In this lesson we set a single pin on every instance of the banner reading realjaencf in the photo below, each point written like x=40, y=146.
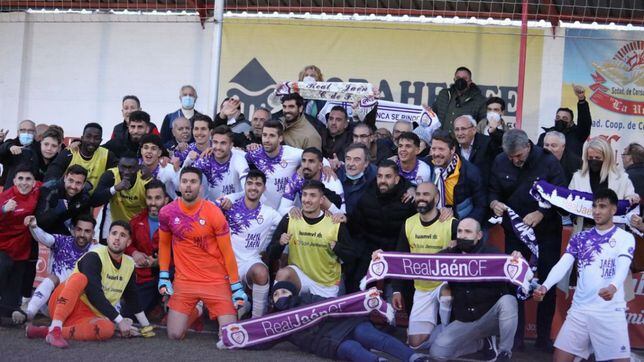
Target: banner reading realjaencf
x=610, y=66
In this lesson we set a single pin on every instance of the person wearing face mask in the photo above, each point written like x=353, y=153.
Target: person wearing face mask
x=462, y=97
x=355, y=175
x=230, y=115
x=16, y=203
x=129, y=104
x=576, y=134
x=493, y=124
x=188, y=98
x=513, y=173
x=423, y=233
x=599, y=171
x=479, y=310
x=14, y=151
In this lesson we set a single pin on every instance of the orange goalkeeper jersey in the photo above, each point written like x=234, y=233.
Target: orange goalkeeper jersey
x=200, y=242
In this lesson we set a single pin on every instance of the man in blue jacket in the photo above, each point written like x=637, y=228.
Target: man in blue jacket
x=513, y=173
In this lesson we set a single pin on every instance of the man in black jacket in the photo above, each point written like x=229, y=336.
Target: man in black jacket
x=555, y=142
x=138, y=126
x=475, y=147
x=462, y=97
x=633, y=160
x=576, y=134
x=62, y=200
x=339, y=133
x=479, y=310
x=9, y=149
x=513, y=174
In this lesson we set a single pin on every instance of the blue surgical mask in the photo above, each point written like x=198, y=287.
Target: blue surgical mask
x=25, y=138
x=353, y=178
x=188, y=102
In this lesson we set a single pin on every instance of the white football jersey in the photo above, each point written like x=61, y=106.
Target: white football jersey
x=278, y=170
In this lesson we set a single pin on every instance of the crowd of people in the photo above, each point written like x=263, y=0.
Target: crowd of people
x=243, y=216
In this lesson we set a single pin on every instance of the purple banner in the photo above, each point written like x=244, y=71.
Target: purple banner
x=278, y=325
x=449, y=268
x=524, y=232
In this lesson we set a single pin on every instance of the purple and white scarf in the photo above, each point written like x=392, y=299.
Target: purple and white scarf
x=578, y=203
x=449, y=267
x=394, y=111
x=279, y=325
x=523, y=232
x=327, y=91
x=442, y=173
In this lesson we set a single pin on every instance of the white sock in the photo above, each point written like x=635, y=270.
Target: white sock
x=260, y=295
x=40, y=297
x=445, y=309
x=56, y=323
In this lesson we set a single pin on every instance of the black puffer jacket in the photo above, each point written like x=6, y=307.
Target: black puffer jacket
x=379, y=217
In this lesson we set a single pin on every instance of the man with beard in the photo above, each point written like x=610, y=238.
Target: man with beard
x=225, y=168
x=145, y=246
x=65, y=251
x=195, y=235
x=252, y=225
x=576, y=134
x=299, y=132
x=379, y=215
x=129, y=104
x=138, y=126
x=124, y=188
x=63, y=200
x=317, y=246
x=84, y=307
x=410, y=167
x=423, y=233
x=462, y=97
x=90, y=155
x=276, y=161
x=254, y=136
x=339, y=133
x=333, y=200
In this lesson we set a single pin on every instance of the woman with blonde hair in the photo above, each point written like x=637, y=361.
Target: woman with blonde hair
x=599, y=170
x=311, y=71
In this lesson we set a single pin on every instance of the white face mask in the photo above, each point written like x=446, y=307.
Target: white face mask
x=308, y=79
x=493, y=117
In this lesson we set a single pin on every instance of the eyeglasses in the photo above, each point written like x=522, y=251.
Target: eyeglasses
x=625, y=154
x=361, y=136
x=463, y=129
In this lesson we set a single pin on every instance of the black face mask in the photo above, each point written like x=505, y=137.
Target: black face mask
x=285, y=303
x=424, y=209
x=465, y=245
x=595, y=165
x=460, y=84
x=560, y=125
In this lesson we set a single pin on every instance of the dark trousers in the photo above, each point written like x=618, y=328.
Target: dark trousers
x=11, y=275
x=30, y=271
x=148, y=297
x=549, y=253
x=366, y=337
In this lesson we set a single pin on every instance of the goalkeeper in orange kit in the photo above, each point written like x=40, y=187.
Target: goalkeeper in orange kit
x=195, y=232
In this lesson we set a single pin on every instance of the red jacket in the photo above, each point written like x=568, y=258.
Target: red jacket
x=15, y=239
x=141, y=242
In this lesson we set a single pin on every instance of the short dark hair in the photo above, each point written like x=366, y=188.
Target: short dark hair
x=314, y=151
x=223, y=130
x=55, y=133
x=76, y=170
x=152, y=138
x=463, y=69
x=132, y=97
x=572, y=114
x=93, y=125
x=273, y=123
x=339, y=109
x=25, y=167
x=255, y=173
x=444, y=136
x=313, y=184
x=358, y=146
x=386, y=163
x=85, y=218
x=203, y=118
x=371, y=128
x=606, y=194
x=155, y=184
x=122, y=223
x=140, y=116
x=636, y=151
x=191, y=169
x=496, y=100
x=295, y=97
x=410, y=136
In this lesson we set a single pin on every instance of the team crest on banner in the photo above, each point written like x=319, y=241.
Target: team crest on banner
x=379, y=268
x=237, y=334
x=512, y=269
x=372, y=300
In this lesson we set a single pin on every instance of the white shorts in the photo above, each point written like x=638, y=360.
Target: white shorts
x=424, y=311
x=244, y=266
x=605, y=333
x=308, y=285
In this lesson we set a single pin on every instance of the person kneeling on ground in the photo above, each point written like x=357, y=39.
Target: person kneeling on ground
x=346, y=339
x=82, y=308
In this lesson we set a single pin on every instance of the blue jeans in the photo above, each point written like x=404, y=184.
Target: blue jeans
x=365, y=337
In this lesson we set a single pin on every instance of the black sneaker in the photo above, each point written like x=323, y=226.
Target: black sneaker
x=487, y=353
x=503, y=356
